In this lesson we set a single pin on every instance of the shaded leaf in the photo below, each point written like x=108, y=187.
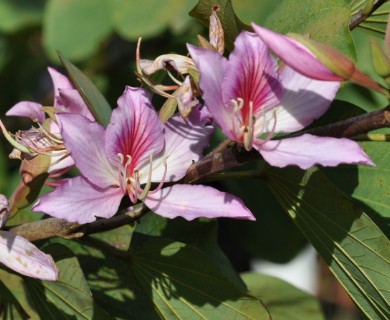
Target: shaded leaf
x=283, y=300
x=353, y=246
x=94, y=99
x=9, y=305
x=184, y=284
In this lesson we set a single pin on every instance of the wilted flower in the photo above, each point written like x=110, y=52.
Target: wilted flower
x=20, y=255
x=252, y=99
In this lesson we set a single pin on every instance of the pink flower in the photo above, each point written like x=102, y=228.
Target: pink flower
x=135, y=152
x=66, y=99
x=22, y=256
x=251, y=99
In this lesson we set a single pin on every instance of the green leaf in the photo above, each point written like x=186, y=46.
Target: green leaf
x=372, y=190
x=138, y=18
x=76, y=28
x=325, y=20
x=95, y=101
x=184, y=284
x=230, y=22
x=9, y=305
x=283, y=300
x=353, y=246
x=16, y=14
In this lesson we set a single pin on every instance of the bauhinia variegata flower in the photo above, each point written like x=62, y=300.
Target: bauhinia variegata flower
x=135, y=156
x=252, y=99
x=20, y=255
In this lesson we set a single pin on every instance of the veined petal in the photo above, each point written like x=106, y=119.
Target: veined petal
x=78, y=200
x=307, y=150
x=251, y=75
x=27, y=109
x=85, y=141
x=184, y=143
x=22, y=256
x=303, y=101
x=196, y=201
x=212, y=67
x=295, y=55
x=134, y=129
x=70, y=100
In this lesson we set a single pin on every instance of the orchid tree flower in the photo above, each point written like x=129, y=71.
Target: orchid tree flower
x=252, y=99
x=46, y=138
x=20, y=255
x=313, y=59
x=135, y=156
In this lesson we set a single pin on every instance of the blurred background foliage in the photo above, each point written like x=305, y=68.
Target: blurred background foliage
x=100, y=37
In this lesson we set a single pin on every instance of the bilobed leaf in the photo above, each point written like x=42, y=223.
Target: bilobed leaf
x=184, y=284
x=230, y=22
x=94, y=99
x=353, y=246
x=324, y=20
x=76, y=28
x=283, y=300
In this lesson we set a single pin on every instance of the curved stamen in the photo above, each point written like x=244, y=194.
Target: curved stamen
x=248, y=130
x=162, y=179
x=272, y=132
x=145, y=191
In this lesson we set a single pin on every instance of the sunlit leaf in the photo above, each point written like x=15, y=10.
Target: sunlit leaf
x=96, y=102
x=283, y=300
x=353, y=246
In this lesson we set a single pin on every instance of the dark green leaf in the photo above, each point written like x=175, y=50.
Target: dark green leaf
x=230, y=22
x=95, y=101
x=283, y=300
x=353, y=246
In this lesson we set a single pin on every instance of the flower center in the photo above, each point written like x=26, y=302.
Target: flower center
x=244, y=117
x=130, y=181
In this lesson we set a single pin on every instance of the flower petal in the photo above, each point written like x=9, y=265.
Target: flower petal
x=212, y=66
x=307, y=150
x=134, y=129
x=251, y=75
x=77, y=200
x=59, y=81
x=27, y=109
x=304, y=100
x=85, y=141
x=184, y=144
x=70, y=100
x=296, y=55
x=23, y=257
x=196, y=201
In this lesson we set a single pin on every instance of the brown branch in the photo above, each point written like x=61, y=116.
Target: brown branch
x=232, y=156
x=361, y=15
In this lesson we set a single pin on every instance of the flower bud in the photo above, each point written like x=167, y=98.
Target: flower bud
x=380, y=60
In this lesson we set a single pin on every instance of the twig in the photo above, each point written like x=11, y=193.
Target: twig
x=361, y=15
x=233, y=156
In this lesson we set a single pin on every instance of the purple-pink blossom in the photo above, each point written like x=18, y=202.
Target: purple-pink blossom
x=135, y=156
x=252, y=99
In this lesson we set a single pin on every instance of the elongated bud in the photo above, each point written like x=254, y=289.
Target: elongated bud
x=380, y=61
x=4, y=210
x=216, y=35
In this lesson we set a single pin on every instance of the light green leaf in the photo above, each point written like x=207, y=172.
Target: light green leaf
x=353, y=246
x=138, y=18
x=283, y=300
x=184, y=284
x=95, y=101
x=76, y=28
x=325, y=20
x=230, y=22
x=16, y=14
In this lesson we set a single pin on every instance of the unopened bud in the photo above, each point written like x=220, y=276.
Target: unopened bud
x=380, y=60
